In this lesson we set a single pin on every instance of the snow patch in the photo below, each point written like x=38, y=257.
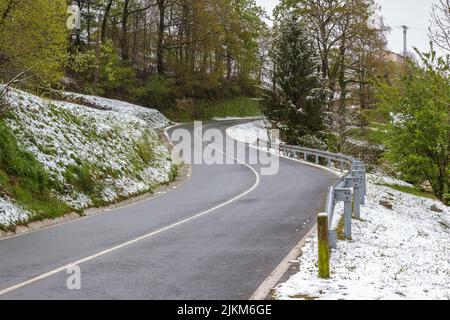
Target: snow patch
x=249, y=132
x=118, y=143
x=402, y=253
x=153, y=117
x=10, y=213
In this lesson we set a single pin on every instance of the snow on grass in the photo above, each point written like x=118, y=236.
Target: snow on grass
x=153, y=117
x=230, y=118
x=10, y=213
x=119, y=148
x=249, y=132
x=402, y=253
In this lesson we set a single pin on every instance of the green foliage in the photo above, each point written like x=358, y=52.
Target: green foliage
x=115, y=75
x=157, y=92
x=410, y=190
x=116, y=78
x=369, y=134
x=209, y=109
x=82, y=178
x=82, y=62
x=145, y=151
x=294, y=104
x=313, y=142
x=217, y=52
x=174, y=172
x=25, y=180
x=33, y=35
x=418, y=137
x=244, y=29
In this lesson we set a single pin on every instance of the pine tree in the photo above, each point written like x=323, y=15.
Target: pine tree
x=297, y=97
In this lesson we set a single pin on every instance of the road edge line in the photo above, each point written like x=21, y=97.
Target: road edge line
x=271, y=281
x=138, y=239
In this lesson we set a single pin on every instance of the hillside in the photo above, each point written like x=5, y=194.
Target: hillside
x=56, y=157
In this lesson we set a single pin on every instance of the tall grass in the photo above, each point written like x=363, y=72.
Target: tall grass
x=25, y=180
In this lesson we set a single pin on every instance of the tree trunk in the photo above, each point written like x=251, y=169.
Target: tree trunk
x=88, y=22
x=229, y=66
x=124, y=38
x=135, y=33
x=160, y=42
x=97, y=56
x=342, y=106
x=105, y=20
x=144, y=58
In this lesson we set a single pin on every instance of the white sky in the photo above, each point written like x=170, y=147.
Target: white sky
x=413, y=13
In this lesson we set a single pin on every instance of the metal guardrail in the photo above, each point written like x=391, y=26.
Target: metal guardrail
x=349, y=189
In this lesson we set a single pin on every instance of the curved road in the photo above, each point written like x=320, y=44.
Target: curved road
x=218, y=236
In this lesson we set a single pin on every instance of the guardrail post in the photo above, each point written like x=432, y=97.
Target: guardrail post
x=332, y=234
x=332, y=239
x=361, y=174
x=305, y=157
x=348, y=220
x=362, y=167
x=355, y=183
x=345, y=195
x=317, y=159
x=357, y=201
x=324, y=249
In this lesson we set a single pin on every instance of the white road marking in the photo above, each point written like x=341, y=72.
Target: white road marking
x=144, y=237
x=271, y=281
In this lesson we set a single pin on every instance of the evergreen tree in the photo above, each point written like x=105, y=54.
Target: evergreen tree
x=296, y=100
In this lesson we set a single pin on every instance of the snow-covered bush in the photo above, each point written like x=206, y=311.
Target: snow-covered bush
x=313, y=142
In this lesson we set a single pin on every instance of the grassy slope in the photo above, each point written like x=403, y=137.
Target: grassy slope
x=410, y=190
x=56, y=158
x=207, y=110
x=25, y=180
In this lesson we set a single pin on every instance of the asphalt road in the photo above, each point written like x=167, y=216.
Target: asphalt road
x=175, y=246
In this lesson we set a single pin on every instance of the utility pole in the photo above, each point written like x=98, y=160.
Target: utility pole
x=405, y=40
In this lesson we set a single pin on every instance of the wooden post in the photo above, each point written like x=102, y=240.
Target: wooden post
x=324, y=248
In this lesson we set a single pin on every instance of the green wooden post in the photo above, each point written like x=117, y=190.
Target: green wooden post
x=324, y=248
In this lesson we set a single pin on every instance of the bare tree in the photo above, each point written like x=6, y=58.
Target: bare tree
x=439, y=31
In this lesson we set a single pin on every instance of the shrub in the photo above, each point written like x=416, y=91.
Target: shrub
x=313, y=142
x=156, y=93
x=82, y=179
x=145, y=151
x=418, y=136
